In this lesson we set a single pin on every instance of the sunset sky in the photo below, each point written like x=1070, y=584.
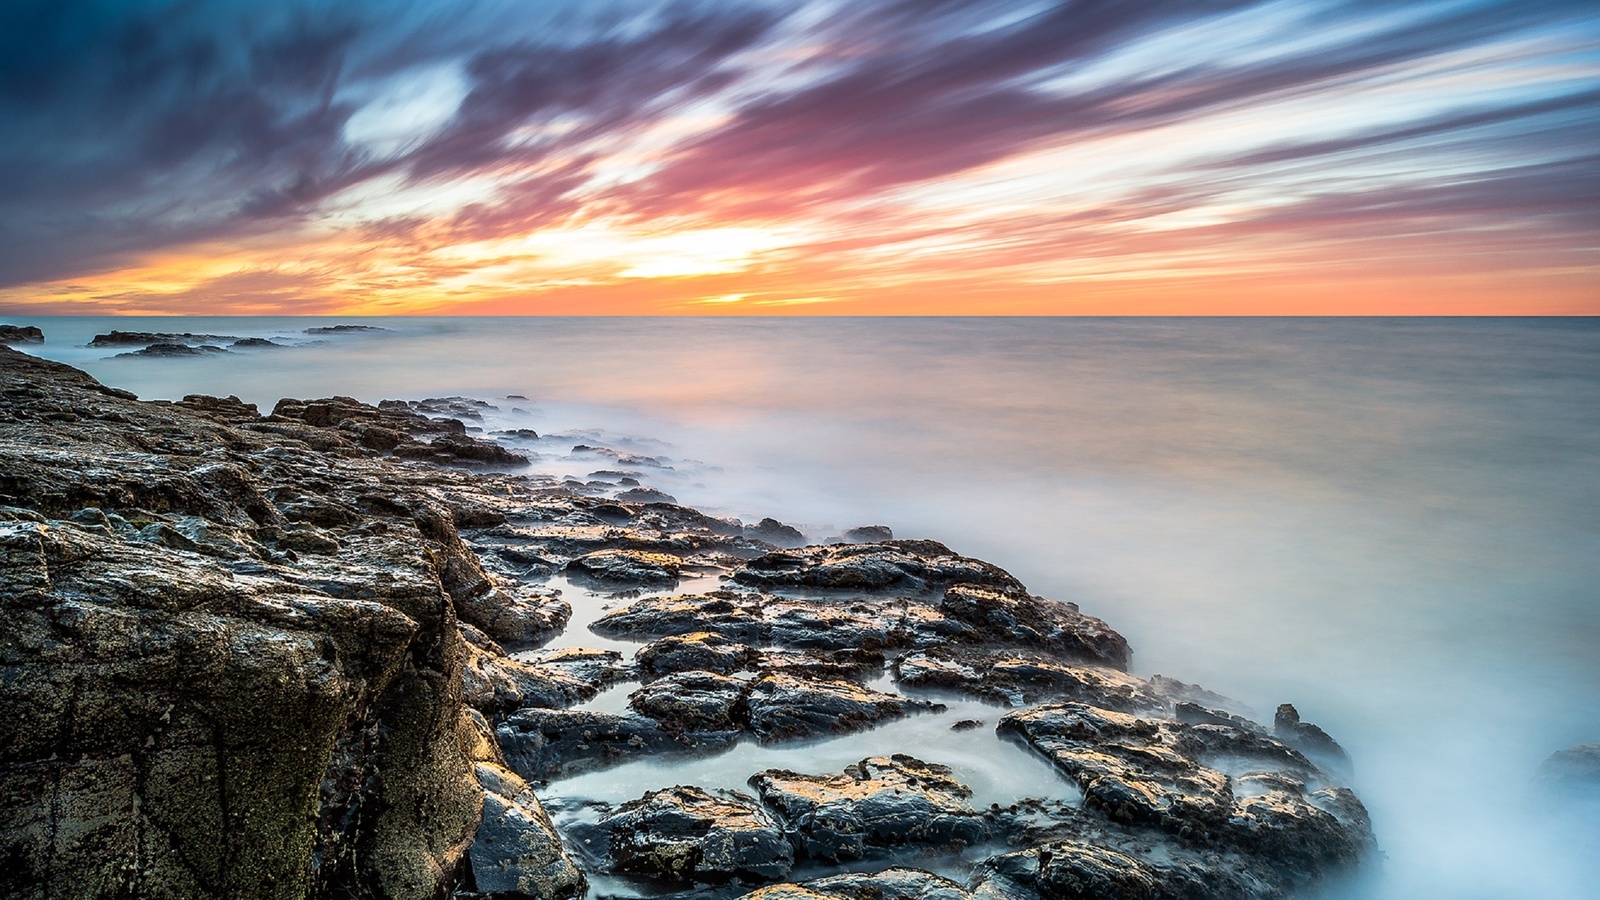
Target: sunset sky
x=856, y=157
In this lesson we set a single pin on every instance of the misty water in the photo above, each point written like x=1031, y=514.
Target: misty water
x=1393, y=524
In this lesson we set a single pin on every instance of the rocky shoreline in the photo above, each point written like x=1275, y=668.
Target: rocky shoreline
x=298, y=655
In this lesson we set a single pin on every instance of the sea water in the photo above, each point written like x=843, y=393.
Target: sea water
x=1393, y=524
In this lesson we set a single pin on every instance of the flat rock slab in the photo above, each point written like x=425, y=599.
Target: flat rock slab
x=874, y=807
x=891, y=565
x=779, y=707
x=1018, y=677
x=629, y=567
x=689, y=834
x=541, y=744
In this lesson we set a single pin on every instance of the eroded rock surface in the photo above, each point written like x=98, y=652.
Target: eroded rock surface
x=688, y=834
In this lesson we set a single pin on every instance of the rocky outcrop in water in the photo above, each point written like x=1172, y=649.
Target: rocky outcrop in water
x=20, y=334
x=298, y=655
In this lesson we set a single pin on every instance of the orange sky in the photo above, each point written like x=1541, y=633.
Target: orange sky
x=1006, y=159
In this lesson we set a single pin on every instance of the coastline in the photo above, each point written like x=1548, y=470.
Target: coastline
x=177, y=557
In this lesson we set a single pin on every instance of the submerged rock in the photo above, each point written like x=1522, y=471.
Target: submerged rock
x=689, y=834
x=20, y=334
x=877, y=805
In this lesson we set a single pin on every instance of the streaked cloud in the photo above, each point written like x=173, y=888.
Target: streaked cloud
x=983, y=155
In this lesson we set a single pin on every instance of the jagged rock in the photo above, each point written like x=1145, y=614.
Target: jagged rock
x=1153, y=773
x=20, y=334
x=689, y=834
x=1017, y=677
x=731, y=615
x=516, y=852
x=459, y=448
x=541, y=744
x=700, y=650
x=869, y=534
x=897, y=883
x=776, y=533
x=1308, y=738
x=692, y=701
x=877, y=805
x=902, y=565
x=496, y=683
x=514, y=616
x=628, y=566
x=645, y=495
x=781, y=707
x=1014, y=617
x=147, y=338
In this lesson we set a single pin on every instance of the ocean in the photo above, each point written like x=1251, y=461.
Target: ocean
x=1393, y=524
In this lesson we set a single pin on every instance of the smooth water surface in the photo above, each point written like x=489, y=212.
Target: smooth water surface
x=1394, y=524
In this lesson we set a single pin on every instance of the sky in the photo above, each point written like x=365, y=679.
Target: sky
x=859, y=157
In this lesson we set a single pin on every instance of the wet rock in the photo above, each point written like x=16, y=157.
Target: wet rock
x=1017, y=677
x=459, y=448
x=628, y=567
x=1308, y=738
x=692, y=701
x=967, y=725
x=776, y=533
x=1080, y=870
x=496, y=683
x=645, y=495
x=732, y=615
x=228, y=409
x=148, y=338
x=541, y=744
x=253, y=343
x=516, y=851
x=20, y=334
x=1159, y=774
x=1015, y=617
x=781, y=707
x=171, y=351
x=897, y=883
x=689, y=834
x=345, y=329
x=514, y=615
x=869, y=534
x=877, y=805
x=700, y=650
x=901, y=565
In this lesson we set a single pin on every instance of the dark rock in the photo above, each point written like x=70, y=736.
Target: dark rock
x=1014, y=617
x=967, y=725
x=877, y=805
x=628, y=567
x=20, y=334
x=541, y=744
x=897, y=883
x=903, y=565
x=149, y=338
x=458, y=448
x=869, y=534
x=228, y=409
x=692, y=701
x=514, y=615
x=645, y=495
x=776, y=533
x=516, y=851
x=255, y=343
x=169, y=351
x=1017, y=677
x=781, y=707
x=700, y=650
x=731, y=615
x=344, y=329
x=688, y=834
x=1308, y=738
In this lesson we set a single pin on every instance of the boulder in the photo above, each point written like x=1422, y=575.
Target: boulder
x=906, y=566
x=629, y=567
x=689, y=834
x=878, y=805
x=20, y=334
x=516, y=851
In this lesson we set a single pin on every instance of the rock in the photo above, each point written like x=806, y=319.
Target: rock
x=725, y=613
x=645, y=495
x=208, y=716
x=897, y=883
x=230, y=409
x=541, y=744
x=776, y=533
x=692, y=702
x=1153, y=773
x=148, y=338
x=689, y=834
x=253, y=343
x=513, y=615
x=781, y=707
x=628, y=567
x=1575, y=767
x=877, y=805
x=496, y=683
x=1308, y=738
x=516, y=851
x=20, y=334
x=458, y=448
x=869, y=534
x=169, y=351
x=909, y=566
x=1015, y=617
x=344, y=329
x=1018, y=677
x=700, y=650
